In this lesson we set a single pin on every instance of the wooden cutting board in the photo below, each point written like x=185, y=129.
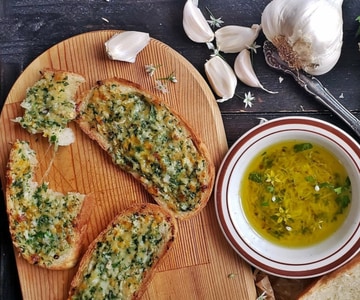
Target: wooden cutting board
x=201, y=265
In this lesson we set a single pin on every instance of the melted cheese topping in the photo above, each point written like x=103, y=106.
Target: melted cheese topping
x=150, y=142
x=41, y=218
x=49, y=107
x=123, y=256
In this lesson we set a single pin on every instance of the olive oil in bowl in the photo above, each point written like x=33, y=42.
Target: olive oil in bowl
x=295, y=194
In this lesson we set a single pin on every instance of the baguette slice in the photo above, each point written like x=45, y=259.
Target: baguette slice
x=341, y=284
x=50, y=105
x=147, y=139
x=47, y=227
x=121, y=261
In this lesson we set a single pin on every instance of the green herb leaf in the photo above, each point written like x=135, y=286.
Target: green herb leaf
x=343, y=202
x=302, y=147
x=326, y=184
x=347, y=180
x=310, y=179
x=256, y=177
x=270, y=189
x=338, y=190
x=53, y=139
x=358, y=31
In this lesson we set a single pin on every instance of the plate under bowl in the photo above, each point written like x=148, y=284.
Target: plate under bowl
x=304, y=262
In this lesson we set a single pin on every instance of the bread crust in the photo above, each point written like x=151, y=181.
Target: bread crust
x=19, y=219
x=314, y=290
x=151, y=210
x=93, y=133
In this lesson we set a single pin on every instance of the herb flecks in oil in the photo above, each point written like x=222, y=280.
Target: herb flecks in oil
x=296, y=191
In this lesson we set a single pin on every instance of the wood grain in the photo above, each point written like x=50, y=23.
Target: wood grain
x=199, y=264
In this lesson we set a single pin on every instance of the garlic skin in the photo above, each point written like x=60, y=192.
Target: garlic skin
x=221, y=78
x=126, y=45
x=233, y=38
x=195, y=25
x=307, y=33
x=245, y=71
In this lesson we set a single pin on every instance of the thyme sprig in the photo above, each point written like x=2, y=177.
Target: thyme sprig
x=160, y=85
x=214, y=22
x=358, y=31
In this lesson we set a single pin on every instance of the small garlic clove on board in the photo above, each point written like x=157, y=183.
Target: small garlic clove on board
x=221, y=78
x=195, y=25
x=233, y=38
x=245, y=71
x=126, y=45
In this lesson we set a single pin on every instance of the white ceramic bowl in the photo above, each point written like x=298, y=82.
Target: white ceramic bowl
x=304, y=262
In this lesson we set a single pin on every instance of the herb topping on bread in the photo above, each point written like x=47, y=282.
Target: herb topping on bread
x=150, y=141
x=50, y=105
x=46, y=226
x=121, y=261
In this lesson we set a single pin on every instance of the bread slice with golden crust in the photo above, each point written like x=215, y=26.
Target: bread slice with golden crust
x=151, y=141
x=341, y=284
x=46, y=226
x=121, y=261
x=50, y=105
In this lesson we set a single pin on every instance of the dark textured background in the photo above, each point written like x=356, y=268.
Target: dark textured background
x=29, y=27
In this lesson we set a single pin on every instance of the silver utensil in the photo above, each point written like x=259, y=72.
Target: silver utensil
x=312, y=85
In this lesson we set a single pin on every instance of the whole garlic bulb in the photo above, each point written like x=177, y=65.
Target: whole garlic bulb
x=307, y=33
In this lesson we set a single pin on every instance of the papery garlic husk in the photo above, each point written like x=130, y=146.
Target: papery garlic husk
x=126, y=45
x=307, y=33
x=245, y=72
x=221, y=78
x=233, y=38
x=195, y=25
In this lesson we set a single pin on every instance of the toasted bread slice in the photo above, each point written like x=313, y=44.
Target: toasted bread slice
x=341, y=284
x=50, y=105
x=121, y=261
x=46, y=226
x=149, y=140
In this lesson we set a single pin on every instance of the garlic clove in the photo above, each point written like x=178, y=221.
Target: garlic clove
x=233, y=38
x=307, y=33
x=245, y=71
x=126, y=45
x=195, y=25
x=221, y=78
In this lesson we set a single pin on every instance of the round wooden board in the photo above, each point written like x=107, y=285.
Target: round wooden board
x=85, y=168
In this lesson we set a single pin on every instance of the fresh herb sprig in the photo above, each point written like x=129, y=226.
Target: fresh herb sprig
x=358, y=31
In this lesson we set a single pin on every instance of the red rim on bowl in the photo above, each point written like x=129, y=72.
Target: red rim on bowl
x=308, y=262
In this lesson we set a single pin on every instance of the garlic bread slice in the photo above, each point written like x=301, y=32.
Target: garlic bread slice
x=50, y=105
x=46, y=226
x=121, y=261
x=152, y=142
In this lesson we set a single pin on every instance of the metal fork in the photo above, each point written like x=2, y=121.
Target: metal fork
x=312, y=85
